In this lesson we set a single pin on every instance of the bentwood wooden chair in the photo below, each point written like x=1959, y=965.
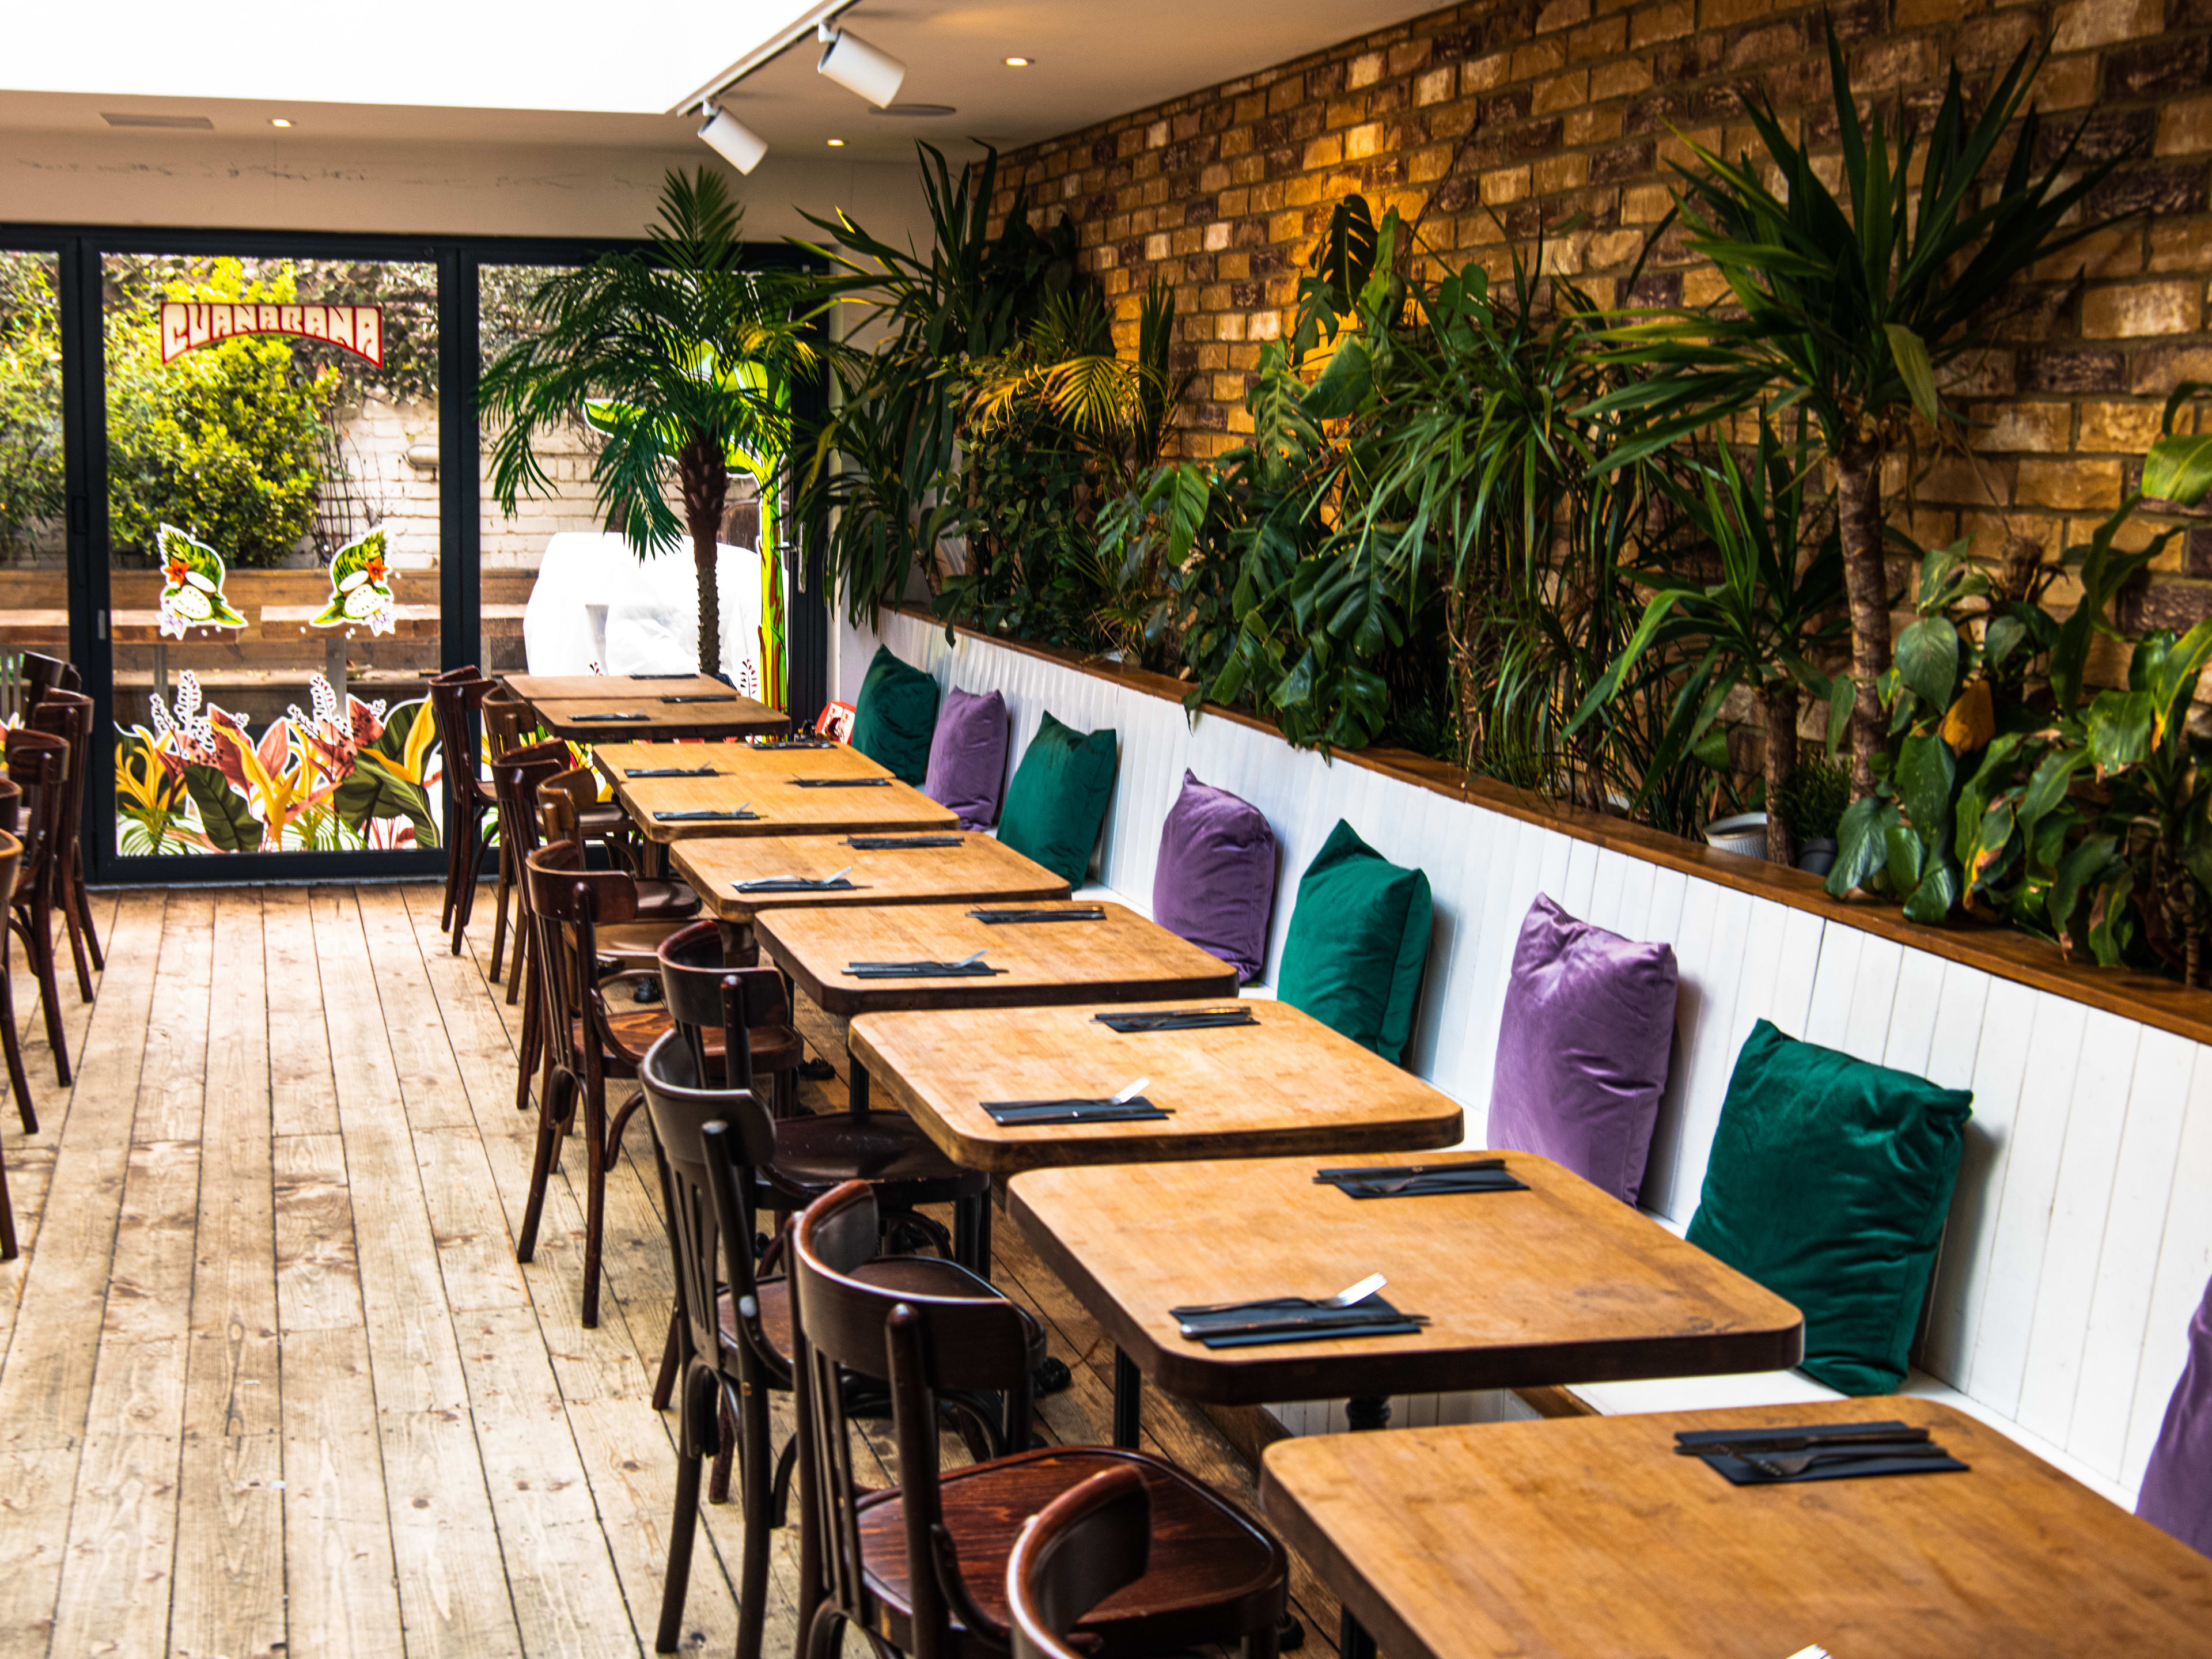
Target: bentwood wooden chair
x=455, y=697
x=1089, y=1542
x=40, y=674
x=507, y=722
x=732, y=1334
x=69, y=715
x=604, y=822
x=11, y=860
x=37, y=765
x=921, y=1567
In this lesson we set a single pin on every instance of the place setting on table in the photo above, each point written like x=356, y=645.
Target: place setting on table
x=534, y=689
x=1026, y=1087
x=1882, y=1525
x=767, y=793
x=659, y=712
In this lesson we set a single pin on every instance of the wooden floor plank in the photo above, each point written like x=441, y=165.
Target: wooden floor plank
x=342, y=1589
x=302, y=1090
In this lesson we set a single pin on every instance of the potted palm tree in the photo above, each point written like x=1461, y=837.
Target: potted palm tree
x=1853, y=307
x=682, y=360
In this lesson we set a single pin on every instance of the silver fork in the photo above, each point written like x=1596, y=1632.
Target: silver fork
x=1350, y=1296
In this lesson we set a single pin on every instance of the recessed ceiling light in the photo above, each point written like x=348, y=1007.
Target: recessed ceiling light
x=837, y=143
x=278, y=121
x=133, y=118
x=1017, y=63
x=916, y=112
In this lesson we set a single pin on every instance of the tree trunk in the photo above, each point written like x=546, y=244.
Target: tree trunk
x=1866, y=579
x=1779, y=703
x=705, y=479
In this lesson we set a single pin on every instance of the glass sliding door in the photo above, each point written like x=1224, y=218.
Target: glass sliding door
x=274, y=544
x=34, y=539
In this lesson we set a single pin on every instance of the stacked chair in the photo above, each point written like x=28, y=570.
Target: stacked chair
x=69, y=715
x=455, y=698
x=11, y=812
x=38, y=766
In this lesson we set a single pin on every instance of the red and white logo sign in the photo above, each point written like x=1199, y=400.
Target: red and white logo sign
x=186, y=325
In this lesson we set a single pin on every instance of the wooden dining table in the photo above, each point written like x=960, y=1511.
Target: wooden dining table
x=586, y=688
x=1590, y=1536
x=1284, y=1084
x=659, y=712
x=790, y=790
x=1561, y=1282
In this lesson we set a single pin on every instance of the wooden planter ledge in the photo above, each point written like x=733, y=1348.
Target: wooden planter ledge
x=2003, y=951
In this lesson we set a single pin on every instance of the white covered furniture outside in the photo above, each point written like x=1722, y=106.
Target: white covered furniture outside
x=596, y=603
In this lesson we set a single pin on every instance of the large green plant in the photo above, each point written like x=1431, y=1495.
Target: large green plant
x=686, y=355
x=1765, y=624
x=31, y=484
x=883, y=469
x=1853, y=304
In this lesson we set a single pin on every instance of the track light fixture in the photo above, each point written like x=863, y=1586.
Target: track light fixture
x=736, y=142
x=858, y=67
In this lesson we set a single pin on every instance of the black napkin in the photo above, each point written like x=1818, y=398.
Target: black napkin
x=704, y=815
x=1079, y=913
x=794, y=884
x=919, y=970
x=842, y=783
x=1292, y=1319
x=578, y=720
x=656, y=677
x=1134, y=1109
x=1846, y=1451
x=703, y=697
x=898, y=843
x=672, y=772
x=1175, y=1019
x=1483, y=1175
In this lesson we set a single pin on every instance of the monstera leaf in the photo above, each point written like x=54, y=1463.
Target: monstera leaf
x=360, y=587
x=226, y=817
x=191, y=590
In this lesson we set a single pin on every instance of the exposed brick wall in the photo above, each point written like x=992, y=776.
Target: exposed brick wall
x=1488, y=121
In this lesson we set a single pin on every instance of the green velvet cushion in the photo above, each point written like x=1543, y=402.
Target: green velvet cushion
x=1359, y=939
x=1057, y=800
x=1828, y=1183
x=896, y=717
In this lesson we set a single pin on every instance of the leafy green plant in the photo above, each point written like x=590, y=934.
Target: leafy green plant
x=1854, y=305
x=684, y=358
x=1764, y=625
x=31, y=484
x=1813, y=801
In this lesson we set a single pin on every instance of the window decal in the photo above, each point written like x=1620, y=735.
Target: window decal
x=192, y=591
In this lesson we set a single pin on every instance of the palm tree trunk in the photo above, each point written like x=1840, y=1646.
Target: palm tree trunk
x=1778, y=702
x=705, y=480
x=1866, y=579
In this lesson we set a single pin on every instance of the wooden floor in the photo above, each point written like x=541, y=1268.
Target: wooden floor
x=273, y=1382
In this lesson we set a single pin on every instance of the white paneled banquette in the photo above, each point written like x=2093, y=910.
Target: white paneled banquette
x=2081, y=1237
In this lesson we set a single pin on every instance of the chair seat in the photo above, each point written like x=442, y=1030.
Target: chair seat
x=605, y=817
x=637, y=1026
x=813, y=1154
x=1213, y=1574
x=923, y=1275
x=665, y=901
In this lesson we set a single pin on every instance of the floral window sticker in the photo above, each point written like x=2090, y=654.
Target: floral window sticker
x=361, y=587
x=191, y=585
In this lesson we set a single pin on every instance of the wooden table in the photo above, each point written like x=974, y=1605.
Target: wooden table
x=740, y=717
x=767, y=779
x=1588, y=1536
x=572, y=687
x=977, y=869
x=1286, y=1085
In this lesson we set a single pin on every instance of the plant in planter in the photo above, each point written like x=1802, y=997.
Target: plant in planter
x=1763, y=625
x=684, y=356
x=1812, y=803
x=1851, y=308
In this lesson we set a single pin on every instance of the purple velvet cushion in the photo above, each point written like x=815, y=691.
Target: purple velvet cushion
x=968, y=757
x=1215, y=882
x=2177, y=1488
x=1582, y=1048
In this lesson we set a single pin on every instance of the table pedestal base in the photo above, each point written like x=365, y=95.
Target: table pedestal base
x=1128, y=1400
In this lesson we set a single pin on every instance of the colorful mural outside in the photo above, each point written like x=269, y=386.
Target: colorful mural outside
x=332, y=779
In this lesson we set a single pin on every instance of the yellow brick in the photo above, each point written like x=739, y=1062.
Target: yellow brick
x=2116, y=251
x=1646, y=204
x=1561, y=92
x=1610, y=248
x=2185, y=127
x=2140, y=308
x=1591, y=126
x=1434, y=88
x=1361, y=142
x=2119, y=428
x=1424, y=166
x=1506, y=185
x=2085, y=23
x=1484, y=73
x=1621, y=80
x=1323, y=152
x=1364, y=71
x=1542, y=58
x=2068, y=485
x=2067, y=82
x=1557, y=172
x=2034, y=426
x=1668, y=22
x=1702, y=285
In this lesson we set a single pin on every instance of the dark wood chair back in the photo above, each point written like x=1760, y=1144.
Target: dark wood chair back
x=454, y=700
x=38, y=766
x=924, y=1347
x=702, y=994
x=11, y=807
x=568, y=905
x=562, y=800
x=68, y=715
x=710, y=1142
x=1087, y=1543
x=11, y=861
x=516, y=775
x=41, y=674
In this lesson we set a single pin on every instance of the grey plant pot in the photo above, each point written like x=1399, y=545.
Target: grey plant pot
x=1745, y=833
x=1817, y=855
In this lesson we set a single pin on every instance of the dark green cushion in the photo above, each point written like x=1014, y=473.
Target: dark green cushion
x=1057, y=800
x=896, y=717
x=1359, y=939
x=1828, y=1183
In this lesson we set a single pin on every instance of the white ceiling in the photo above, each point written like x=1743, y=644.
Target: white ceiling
x=465, y=75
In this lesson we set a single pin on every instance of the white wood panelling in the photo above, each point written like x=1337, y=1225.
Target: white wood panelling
x=2079, y=1239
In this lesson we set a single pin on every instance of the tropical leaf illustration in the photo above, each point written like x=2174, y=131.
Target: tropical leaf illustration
x=192, y=592
x=360, y=587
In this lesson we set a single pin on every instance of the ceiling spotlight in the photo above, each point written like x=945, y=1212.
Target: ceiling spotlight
x=837, y=143
x=858, y=67
x=1017, y=63
x=736, y=142
x=278, y=121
